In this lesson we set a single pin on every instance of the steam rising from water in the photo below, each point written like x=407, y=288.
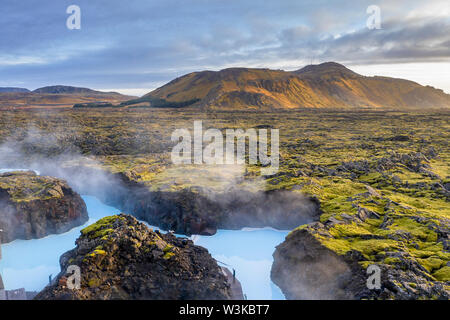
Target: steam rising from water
x=50, y=154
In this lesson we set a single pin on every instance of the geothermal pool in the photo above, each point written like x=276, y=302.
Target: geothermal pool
x=29, y=263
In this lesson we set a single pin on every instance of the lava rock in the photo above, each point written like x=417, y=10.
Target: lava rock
x=122, y=259
x=304, y=268
x=33, y=206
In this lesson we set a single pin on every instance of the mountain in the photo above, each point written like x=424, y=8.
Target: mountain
x=58, y=96
x=324, y=69
x=327, y=85
x=68, y=90
x=13, y=89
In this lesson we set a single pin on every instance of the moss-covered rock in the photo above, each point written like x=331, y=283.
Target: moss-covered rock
x=33, y=206
x=133, y=262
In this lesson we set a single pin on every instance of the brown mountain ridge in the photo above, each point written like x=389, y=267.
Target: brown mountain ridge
x=327, y=85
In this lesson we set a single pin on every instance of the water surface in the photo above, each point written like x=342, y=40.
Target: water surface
x=29, y=263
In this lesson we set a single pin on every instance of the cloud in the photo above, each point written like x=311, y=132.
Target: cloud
x=140, y=44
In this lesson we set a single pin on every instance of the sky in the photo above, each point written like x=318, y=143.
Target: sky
x=135, y=46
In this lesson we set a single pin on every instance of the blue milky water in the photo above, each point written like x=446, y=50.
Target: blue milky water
x=29, y=263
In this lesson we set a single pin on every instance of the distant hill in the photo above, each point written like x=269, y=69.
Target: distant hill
x=69, y=90
x=59, y=96
x=13, y=89
x=327, y=85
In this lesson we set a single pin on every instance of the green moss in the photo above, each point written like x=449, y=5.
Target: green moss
x=348, y=230
x=372, y=178
x=366, y=264
x=27, y=186
x=331, y=156
x=431, y=263
x=373, y=246
x=168, y=248
x=340, y=246
x=429, y=250
x=101, y=229
x=416, y=229
x=443, y=274
x=367, y=247
x=97, y=252
x=94, y=282
x=168, y=255
x=391, y=260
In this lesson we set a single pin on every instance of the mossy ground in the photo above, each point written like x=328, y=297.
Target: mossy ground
x=27, y=186
x=332, y=155
x=102, y=228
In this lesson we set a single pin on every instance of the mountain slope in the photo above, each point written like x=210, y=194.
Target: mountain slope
x=328, y=85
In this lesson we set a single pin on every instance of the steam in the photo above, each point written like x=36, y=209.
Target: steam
x=54, y=154
x=238, y=199
x=242, y=200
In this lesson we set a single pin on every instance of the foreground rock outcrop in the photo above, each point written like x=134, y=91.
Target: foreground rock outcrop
x=33, y=206
x=121, y=258
x=332, y=260
x=305, y=268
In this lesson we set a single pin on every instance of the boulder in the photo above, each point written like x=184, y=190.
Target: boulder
x=120, y=258
x=33, y=206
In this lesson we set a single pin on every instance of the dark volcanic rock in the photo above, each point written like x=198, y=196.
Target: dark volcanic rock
x=304, y=268
x=121, y=258
x=196, y=211
x=33, y=206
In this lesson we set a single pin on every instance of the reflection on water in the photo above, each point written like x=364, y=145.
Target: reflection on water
x=29, y=263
